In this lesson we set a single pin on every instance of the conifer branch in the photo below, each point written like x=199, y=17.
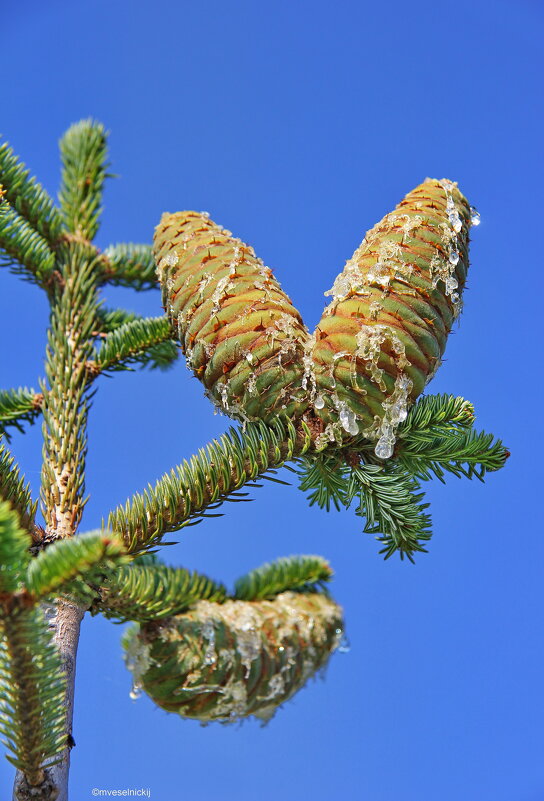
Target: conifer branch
x=28, y=197
x=437, y=413
x=206, y=480
x=31, y=683
x=325, y=476
x=466, y=453
x=130, y=265
x=16, y=492
x=437, y=438
x=24, y=250
x=147, y=342
x=83, y=154
x=390, y=501
x=32, y=717
x=18, y=406
x=14, y=553
x=86, y=557
x=300, y=573
x=109, y=320
x=150, y=592
x=388, y=496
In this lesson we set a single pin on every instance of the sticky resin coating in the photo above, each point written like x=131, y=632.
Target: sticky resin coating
x=239, y=658
x=382, y=337
x=240, y=333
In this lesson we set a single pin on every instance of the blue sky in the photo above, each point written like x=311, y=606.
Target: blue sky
x=298, y=125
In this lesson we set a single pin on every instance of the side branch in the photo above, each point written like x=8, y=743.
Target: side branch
x=32, y=687
x=129, y=265
x=31, y=681
x=26, y=195
x=66, y=565
x=111, y=319
x=300, y=573
x=147, y=342
x=24, y=249
x=206, y=480
x=18, y=406
x=14, y=490
x=151, y=592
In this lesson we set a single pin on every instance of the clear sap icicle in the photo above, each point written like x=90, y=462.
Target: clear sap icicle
x=446, y=272
x=385, y=446
x=135, y=691
x=223, y=390
x=208, y=632
x=453, y=257
x=319, y=402
x=395, y=412
x=474, y=216
x=171, y=259
x=348, y=419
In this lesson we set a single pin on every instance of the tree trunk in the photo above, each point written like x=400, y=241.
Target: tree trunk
x=65, y=619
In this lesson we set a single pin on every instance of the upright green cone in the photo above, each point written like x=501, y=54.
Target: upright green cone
x=377, y=345
x=239, y=658
x=239, y=331
x=382, y=337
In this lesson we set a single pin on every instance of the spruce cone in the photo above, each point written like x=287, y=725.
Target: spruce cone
x=227, y=661
x=239, y=331
x=382, y=337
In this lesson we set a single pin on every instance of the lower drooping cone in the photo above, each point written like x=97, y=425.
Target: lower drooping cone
x=239, y=331
x=382, y=337
x=227, y=661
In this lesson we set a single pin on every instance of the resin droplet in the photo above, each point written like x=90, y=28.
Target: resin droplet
x=348, y=421
x=474, y=216
x=451, y=285
x=171, y=259
x=454, y=257
x=224, y=392
x=384, y=448
x=135, y=692
x=398, y=412
x=208, y=632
